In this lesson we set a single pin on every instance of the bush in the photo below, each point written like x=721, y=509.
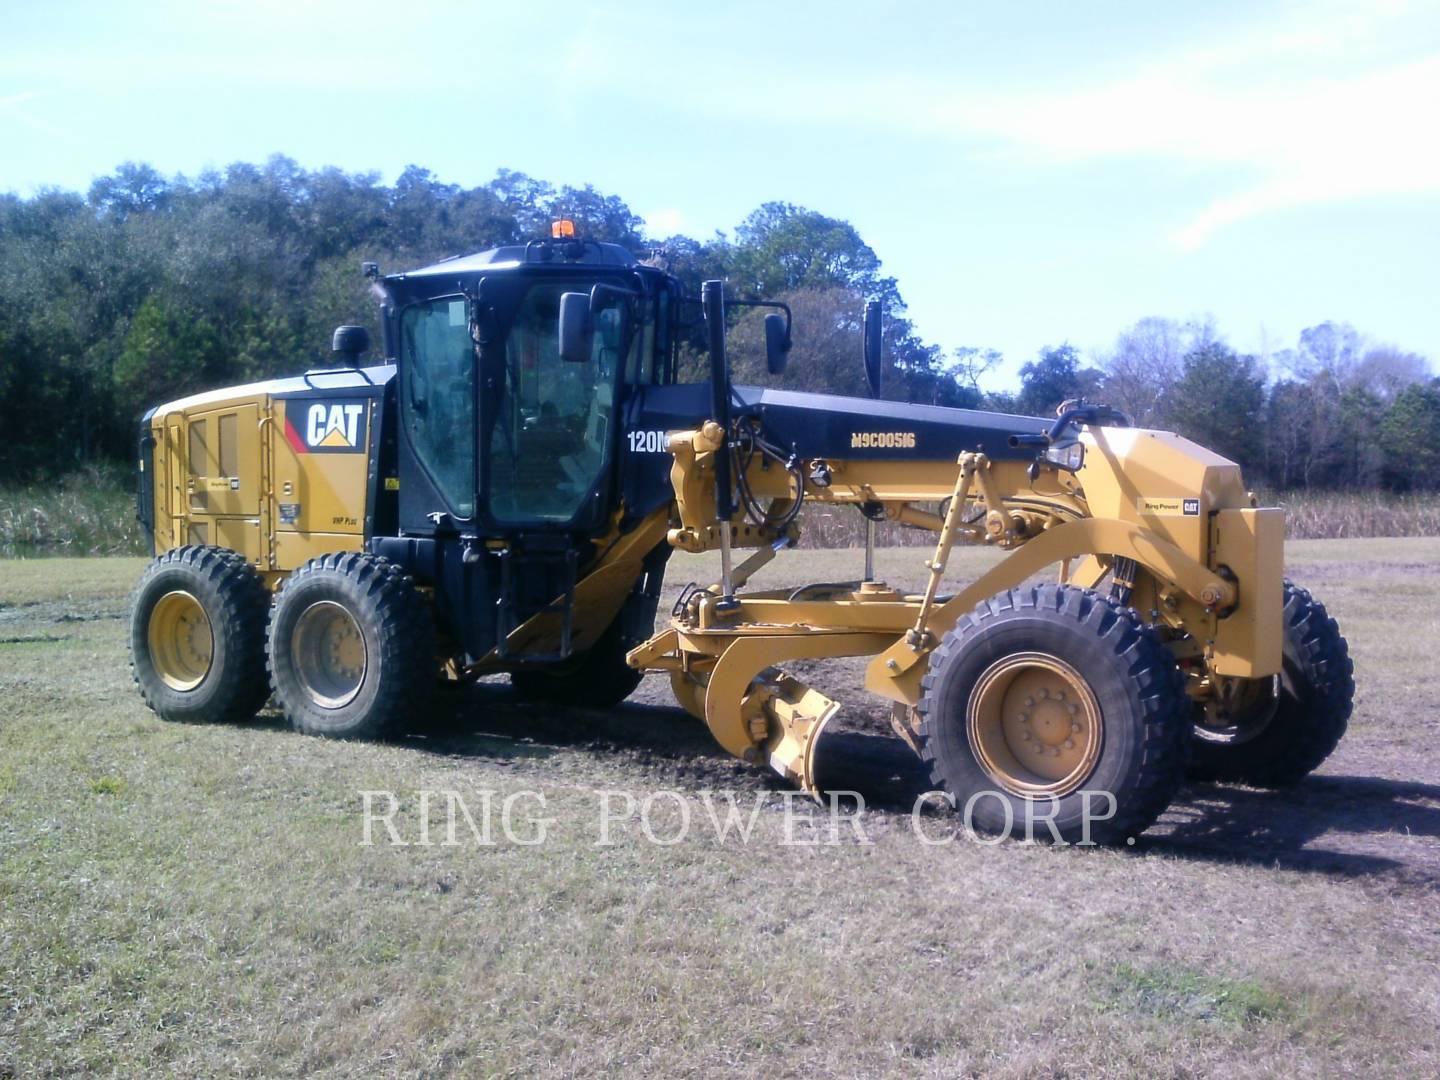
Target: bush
x=91, y=512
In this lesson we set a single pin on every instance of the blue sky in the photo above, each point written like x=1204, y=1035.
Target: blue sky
x=1031, y=173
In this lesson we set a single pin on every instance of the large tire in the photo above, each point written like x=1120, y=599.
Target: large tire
x=1298, y=720
x=1042, y=699
x=197, y=636
x=600, y=680
x=351, y=647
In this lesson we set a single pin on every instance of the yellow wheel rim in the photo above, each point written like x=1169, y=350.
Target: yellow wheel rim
x=330, y=655
x=181, y=642
x=1034, y=725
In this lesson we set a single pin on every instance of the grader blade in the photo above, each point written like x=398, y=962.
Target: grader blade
x=795, y=715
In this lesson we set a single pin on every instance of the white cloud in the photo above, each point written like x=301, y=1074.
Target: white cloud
x=664, y=222
x=1324, y=102
x=1284, y=116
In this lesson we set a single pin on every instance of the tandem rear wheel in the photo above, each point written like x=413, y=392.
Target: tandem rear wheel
x=1054, y=713
x=351, y=647
x=599, y=680
x=197, y=636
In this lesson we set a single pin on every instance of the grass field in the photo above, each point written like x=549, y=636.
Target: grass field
x=197, y=901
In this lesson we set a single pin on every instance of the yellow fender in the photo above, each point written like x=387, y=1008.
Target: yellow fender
x=896, y=672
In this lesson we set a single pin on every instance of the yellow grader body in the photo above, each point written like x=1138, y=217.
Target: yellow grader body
x=502, y=494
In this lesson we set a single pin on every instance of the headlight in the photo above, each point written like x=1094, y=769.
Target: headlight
x=1066, y=455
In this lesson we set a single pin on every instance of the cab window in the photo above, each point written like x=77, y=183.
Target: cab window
x=438, y=361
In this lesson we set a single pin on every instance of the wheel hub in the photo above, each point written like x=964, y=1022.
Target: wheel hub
x=181, y=642
x=1237, y=710
x=330, y=654
x=1034, y=724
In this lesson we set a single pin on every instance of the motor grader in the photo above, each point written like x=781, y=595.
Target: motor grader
x=502, y=491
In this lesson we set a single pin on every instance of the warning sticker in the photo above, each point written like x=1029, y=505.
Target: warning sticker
x=1168, y=507
x=222, y=483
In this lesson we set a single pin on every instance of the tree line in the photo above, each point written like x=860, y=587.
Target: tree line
x=147, y=287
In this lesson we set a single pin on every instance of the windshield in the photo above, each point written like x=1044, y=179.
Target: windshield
x=552, y=433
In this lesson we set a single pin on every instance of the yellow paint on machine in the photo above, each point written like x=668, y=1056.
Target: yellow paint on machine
x=224, y=467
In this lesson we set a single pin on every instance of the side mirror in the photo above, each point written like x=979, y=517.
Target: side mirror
x=777, y=343
x=872, y=346
x=577, y=329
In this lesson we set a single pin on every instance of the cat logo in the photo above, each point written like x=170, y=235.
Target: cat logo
x=326, y=427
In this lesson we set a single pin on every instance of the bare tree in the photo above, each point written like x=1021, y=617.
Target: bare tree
x=1148, y=360
x=1386, y=370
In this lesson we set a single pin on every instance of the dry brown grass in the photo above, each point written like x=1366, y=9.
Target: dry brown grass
x=93, y=513
x=1336, y=515
x=194, y=900
x=1309, y=515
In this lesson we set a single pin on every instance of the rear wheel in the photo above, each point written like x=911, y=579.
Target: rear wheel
x=197, y=636
x=1275, y=731
x=351, y=647
x=601, y=679
x=1047, y=703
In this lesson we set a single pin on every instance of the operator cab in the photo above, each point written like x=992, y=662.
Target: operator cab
x=507, y=445
x=499, y=432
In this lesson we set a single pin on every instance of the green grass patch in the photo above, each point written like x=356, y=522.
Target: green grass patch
x=1171, y=993
x=107, y=785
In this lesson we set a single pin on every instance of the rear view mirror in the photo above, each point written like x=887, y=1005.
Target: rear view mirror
x=777, y=343
x=577, y=329
x=872, y=346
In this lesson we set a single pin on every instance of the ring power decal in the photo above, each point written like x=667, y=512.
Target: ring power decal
x=326, y=426
x=1176, y=507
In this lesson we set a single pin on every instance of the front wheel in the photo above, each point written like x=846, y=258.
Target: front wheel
x=1054, y=706
x=351, y=647
x=1272, y=732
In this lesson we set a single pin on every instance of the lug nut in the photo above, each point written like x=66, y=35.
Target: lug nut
x=1044, y=692
x=1075, y=726
x=1069, y=744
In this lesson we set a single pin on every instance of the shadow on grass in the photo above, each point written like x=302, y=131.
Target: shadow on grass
x=1345, y=826
x=492, y=720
